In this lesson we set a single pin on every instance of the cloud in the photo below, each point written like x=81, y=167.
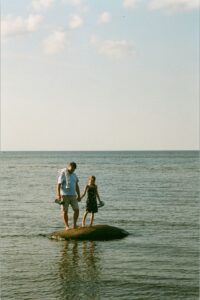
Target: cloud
x=75, y=21
x=72, y=2
x=104, y=18
x=40, y=5
x=80, y=5
x=112, y=48
x=11, y=26
x=56, y=42
x=130, y=3
x=174, y=5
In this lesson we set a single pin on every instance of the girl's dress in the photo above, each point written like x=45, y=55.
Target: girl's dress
x=91, y=203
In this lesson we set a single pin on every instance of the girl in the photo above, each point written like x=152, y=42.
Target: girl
x=91, y=203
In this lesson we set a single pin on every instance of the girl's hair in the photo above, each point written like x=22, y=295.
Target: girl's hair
x=93, y=177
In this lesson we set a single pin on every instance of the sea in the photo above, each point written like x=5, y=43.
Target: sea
x=154, y=195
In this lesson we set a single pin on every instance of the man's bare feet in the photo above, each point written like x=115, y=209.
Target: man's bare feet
x=67, y=228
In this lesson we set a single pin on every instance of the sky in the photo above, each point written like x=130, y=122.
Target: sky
x=99, y=75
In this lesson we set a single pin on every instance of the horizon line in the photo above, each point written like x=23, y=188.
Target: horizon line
x=122, y=150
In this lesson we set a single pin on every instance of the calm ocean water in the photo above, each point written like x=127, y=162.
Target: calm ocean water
x=153, y=195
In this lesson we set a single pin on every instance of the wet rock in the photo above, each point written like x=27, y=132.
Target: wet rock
x=94, y=233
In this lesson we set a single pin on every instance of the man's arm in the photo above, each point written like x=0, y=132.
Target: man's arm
x=78, y=191
x=58, y=191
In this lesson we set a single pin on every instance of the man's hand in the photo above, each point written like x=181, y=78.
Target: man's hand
x=78, y=198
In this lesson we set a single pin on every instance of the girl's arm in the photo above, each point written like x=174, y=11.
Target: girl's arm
x=83, y=195
x=97, y=193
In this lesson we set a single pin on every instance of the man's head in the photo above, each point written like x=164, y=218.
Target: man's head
x=71, y=167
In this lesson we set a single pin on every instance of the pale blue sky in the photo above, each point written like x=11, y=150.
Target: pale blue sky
x=99, y=75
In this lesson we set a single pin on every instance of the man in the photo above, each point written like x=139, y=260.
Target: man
x=67, y=188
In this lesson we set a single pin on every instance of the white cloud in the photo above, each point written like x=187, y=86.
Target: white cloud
x=75, y=21
x=80, y=5
x=72, y=2
x=11, y=25
x=56, y=42
x=104, y=18
x=174, y=5
x=40, y=5
x=130, y=3
x=112, y=48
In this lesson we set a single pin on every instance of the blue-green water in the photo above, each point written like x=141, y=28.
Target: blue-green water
x=153, y=195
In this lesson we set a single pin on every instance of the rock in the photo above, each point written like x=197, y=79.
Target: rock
x=94, y=233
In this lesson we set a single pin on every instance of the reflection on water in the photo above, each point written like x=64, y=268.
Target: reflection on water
x=158, y=261
x=79, y=270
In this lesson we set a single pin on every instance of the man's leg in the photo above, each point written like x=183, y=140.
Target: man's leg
x=64, y=210
x=75, y=207
x=75, y=218
x=65, y=219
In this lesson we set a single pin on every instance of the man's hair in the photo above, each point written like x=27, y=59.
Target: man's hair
x=72, y=164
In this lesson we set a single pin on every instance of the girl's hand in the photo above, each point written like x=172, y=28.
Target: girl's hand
x=101, y=203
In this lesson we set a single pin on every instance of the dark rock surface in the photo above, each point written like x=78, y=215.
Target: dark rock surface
x=94, y=233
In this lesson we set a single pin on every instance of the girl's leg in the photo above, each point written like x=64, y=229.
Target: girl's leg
x=91, y=219
x=84, y=218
